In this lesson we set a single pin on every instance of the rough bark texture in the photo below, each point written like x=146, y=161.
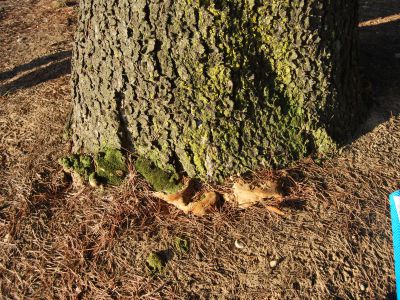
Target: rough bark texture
x=215, y=87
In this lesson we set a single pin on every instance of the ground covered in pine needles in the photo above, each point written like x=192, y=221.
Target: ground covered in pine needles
x=58, y=241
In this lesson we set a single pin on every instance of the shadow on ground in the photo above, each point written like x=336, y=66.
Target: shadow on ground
x=391, y=296
x=380, y=65
x=35, y=72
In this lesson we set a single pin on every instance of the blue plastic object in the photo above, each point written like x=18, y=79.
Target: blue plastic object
x=395, y=215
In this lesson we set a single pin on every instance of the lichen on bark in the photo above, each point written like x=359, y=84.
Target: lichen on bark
x=215, y=88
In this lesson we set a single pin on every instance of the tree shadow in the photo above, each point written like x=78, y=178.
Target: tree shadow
x=391, y=296
x=379, y=62
x=54, y=66
x=379, y=45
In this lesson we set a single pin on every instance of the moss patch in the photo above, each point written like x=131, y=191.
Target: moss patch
x=181, y=244
x=81, y=165
x=111, y=166
x=107, y=167
x=160, y=180
x=155, y=263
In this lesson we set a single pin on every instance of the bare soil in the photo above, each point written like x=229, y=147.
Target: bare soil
x=62, y=242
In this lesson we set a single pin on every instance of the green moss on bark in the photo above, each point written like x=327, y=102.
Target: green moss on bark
x=81, y=165
x=111, y=166
x=108, y=167
x=160, y=180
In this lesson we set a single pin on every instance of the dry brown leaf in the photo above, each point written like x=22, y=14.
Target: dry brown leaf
x=275, y=210
x=176, y=199
x=200, y=208
x=183, y=201
x=245, y=196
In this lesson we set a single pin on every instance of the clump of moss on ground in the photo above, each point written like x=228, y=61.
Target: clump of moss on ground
x=111, y=166
x=181, y=244
x=81, y=165
x=160, y=180
x=155, y=263
x=108, y=167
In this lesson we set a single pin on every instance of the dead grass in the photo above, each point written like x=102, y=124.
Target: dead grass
x=62, y=242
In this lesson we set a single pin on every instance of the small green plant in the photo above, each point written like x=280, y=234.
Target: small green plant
x=155, y=263
x=181, y=244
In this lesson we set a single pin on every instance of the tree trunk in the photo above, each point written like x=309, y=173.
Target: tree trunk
x=215, y=88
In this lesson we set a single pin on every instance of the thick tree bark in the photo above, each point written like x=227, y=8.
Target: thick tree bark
x=215, y=88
